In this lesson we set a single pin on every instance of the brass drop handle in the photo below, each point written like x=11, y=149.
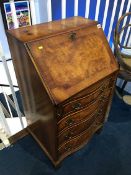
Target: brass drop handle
x=73, y=36
x=103, y=98
x=76, y=106
x=68, y=148
x=100, y=111
x=102, y=89
x=59, y=112
x=69, y=135
x=69, y=122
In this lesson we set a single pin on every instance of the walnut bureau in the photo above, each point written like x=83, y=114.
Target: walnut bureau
x=66, y=74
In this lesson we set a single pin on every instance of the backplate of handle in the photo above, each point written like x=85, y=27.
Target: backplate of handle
x=69, y=122
x=76, y=106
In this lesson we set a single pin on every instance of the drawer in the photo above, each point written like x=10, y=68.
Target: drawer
x=99, y=120
x=107, y=82
x=79, y=103
x=76, y=142
x=75, y=130
x=84, y=113
x=77, y=117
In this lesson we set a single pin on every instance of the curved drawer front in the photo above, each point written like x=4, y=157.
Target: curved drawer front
x=76, y=142
x=99, y=120
x=83, y=114
x=107, y=82
x=81, y=102
x=73, y=131
x=77, y=117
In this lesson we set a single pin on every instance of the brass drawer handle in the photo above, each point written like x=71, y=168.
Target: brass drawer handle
x=103, y=98
x=103, y=88
x=59, y=112
x=73, y=36
x=76, y=106
x=100, y=111
x=68, y=148
x=69, y=135
x=70, y=122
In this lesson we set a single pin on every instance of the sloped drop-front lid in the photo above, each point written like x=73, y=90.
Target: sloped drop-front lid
x=70, y=62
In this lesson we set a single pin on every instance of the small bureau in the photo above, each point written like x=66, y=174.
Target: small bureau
x=66, y=73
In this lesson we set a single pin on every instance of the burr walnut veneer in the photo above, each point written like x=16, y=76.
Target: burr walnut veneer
x=66, y=73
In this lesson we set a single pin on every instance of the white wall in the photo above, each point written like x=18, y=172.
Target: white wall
x=41, y=11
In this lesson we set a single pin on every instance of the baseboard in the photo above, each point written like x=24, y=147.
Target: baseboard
x=18, y=136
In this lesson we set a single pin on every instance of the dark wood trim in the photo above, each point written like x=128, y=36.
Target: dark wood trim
x=18, y=136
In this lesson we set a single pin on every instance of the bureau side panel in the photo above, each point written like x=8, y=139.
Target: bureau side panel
x=38, y=108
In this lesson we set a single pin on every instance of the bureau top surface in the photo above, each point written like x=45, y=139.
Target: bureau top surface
x=70, y=61
x=29, y=33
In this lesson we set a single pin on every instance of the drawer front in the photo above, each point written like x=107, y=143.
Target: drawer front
x=80, y=103
x=91, y=94
x=76, y=142
x=77, y=117
x=83, y=114
x=107, y=82
x=75, y=130
x=99, y=120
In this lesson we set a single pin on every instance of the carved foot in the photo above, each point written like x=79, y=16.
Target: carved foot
x=58, y=166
